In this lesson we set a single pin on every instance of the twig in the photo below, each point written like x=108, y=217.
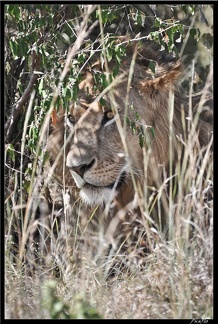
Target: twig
x=17, y=108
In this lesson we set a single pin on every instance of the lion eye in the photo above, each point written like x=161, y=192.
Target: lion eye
x=108, y=117
x=109, y=114
x=71, y=119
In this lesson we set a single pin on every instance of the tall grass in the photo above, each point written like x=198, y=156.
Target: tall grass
x=173, y=280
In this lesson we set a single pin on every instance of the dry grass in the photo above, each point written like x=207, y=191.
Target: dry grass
x=174, y=283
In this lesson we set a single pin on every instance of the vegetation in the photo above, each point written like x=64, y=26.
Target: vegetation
x=46, y=49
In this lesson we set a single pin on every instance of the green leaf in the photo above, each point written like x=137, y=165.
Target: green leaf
x=127, y=120
x=10, y=150
x=192, y=32
x=158, y=22
x=152, y=66
x=170, y=34
x=191, y=9
x=14, y=10
x=45, y=157
x=103, y=80
x=152, y=132
x=137, y=116
x=109, y=54
x=40, y=86
x=81, y=57
x=154, y=35
x=14, y=48
x=141, y=140
x=141, y=129
x=115, y=70
x=133, y=127
x=26, y=185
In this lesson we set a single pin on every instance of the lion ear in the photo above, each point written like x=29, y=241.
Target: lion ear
x=164, y=79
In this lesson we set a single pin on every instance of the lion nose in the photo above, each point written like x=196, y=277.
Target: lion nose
x=82, y=168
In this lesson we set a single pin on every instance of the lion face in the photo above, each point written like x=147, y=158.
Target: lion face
x=96, y=157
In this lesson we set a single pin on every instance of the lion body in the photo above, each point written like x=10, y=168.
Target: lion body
x=104, y=162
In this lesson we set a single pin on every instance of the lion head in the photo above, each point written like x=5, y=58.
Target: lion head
x=120, y=138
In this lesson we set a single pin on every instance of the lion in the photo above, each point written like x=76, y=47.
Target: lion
x=116, y=143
